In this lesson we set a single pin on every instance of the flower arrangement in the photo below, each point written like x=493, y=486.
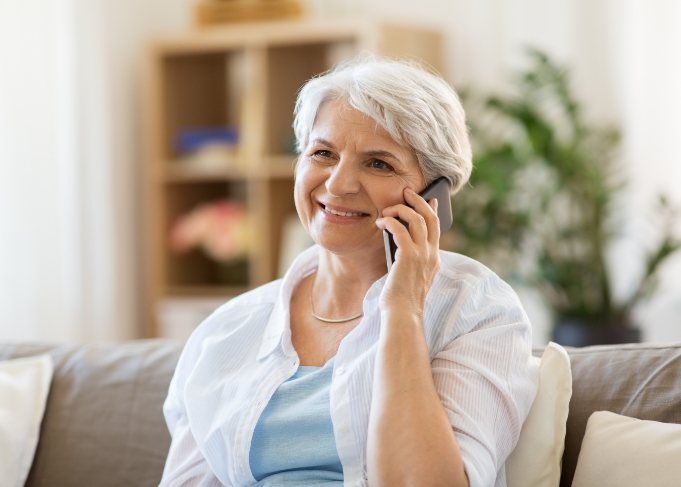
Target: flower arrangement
x=219, y=228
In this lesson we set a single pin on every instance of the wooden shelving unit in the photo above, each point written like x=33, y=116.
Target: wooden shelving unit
x=244, y=76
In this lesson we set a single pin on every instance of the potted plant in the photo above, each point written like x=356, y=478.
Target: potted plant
x=542, y=203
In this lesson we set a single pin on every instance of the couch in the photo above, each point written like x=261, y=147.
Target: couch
x=103, y=424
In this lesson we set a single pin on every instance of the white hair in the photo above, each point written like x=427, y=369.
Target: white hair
x=417, y=108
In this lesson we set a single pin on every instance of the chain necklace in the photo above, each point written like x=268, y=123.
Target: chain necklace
x=329, y=320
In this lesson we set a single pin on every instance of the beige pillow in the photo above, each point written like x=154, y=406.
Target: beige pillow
x=24, y=384
x=619, y=451
x=536, y=460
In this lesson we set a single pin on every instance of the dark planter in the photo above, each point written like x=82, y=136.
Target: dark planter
x=580, y=334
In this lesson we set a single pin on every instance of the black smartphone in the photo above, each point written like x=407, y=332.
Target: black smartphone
x=438, y=189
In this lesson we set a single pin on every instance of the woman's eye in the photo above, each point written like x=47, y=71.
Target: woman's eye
x=381, y=165
x=324, y=154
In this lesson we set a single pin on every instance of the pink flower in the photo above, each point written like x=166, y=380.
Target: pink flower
x=220, y=228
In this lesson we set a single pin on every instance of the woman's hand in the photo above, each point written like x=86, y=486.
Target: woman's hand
x=417, y=260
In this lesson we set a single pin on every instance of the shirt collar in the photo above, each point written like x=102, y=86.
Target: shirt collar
x=279, y=322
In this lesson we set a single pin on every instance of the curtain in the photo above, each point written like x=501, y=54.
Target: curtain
x=57, y=216
x=70, y=87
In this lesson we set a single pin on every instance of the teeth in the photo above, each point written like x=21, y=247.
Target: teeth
x=341, y=213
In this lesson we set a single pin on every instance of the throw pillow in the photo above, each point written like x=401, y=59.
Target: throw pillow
x=620, y=451
x=24, y=384
x=536, y=459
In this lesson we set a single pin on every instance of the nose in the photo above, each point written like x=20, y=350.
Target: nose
x=343, y=178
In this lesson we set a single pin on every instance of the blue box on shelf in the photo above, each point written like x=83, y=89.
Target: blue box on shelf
x=193, y=139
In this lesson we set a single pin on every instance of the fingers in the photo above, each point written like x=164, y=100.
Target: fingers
x=400, y=234
x=428, y=209
x=421, y=218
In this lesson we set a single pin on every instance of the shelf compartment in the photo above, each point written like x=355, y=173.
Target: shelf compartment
x=199, y=92
x=195, y=268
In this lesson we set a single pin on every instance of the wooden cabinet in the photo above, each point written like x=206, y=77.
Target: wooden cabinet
x=245, y=77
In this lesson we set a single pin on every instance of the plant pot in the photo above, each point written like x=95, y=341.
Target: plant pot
x=573, y=333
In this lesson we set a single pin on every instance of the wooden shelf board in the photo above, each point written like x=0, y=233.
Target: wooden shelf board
x=180, y=172
x=206, y=290
x=237, y=36
x=277, y=166
x=280, y=166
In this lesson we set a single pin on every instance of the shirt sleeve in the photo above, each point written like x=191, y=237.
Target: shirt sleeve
x=185, y=465
x=485, y=376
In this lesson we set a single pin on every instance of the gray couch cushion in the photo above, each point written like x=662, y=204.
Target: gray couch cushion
x=103, y=423
x=642, y=381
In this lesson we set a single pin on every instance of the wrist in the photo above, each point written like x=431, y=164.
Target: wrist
x=401, y=323
x=407, y=312
x=402, y=316
x=402, y=341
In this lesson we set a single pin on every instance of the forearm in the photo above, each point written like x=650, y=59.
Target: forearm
x=410, y=439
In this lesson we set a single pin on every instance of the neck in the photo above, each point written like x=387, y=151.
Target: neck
x=342, y=281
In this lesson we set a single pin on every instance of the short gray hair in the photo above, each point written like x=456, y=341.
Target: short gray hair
x=417, y=108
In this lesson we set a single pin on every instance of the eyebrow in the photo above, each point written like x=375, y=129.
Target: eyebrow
x=319, y=140
x=370, y=153
x=382, y=153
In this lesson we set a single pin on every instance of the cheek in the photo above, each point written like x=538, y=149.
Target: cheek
x=299, y=200
x=302, y=188
x=388, y=196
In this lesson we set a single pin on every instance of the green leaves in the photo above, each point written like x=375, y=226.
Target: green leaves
x=544, y=185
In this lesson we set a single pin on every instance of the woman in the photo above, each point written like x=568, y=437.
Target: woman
x=342, y=373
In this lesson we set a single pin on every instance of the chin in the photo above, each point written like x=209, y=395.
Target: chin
x=341, y=245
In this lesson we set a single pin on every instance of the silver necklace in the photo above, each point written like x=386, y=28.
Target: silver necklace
x=329, y=320
x=341, y=320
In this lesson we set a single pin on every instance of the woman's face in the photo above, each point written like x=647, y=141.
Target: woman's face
x=349, y=172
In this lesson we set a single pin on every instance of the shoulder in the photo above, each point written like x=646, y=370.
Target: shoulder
x=458, y=271
x=262, y=296
x=474, y=294
x=232, y=312
x=458, y=266
x=239, y=313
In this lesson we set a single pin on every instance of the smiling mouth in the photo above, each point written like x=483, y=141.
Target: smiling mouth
x=336, y=212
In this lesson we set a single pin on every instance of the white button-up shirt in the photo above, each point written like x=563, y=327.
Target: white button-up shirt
x=479, y=339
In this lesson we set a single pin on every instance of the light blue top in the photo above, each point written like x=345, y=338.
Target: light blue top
x=293, y=442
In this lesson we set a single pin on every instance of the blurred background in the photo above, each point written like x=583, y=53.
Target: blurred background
x=145, y=153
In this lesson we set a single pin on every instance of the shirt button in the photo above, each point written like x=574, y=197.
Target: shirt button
x=340, y=370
